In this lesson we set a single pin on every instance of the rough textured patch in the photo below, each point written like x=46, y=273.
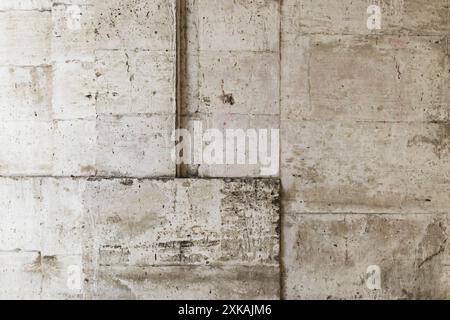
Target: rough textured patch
x=134, y=24
x=329, y=256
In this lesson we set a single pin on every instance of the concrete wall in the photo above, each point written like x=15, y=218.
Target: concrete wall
x=87, y=180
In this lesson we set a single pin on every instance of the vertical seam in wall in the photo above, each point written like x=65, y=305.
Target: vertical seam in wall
x=280, y=77
x=178, y=76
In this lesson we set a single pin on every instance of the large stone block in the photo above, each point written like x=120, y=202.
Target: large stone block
x=26, y=37
x=227, y=25
x=191, y=222
x=365, y=167
x=131, y=24
x=20, y=275
x=74, y=90
x=127, y=236
x=230, y=74
x=26, y=93
x=329, y=256
x=40, y=5
x=135, y=146
x=112, y=25
x=27, y=148
x=414, y=17
x=130, y=82
x=180, y=283
x=368, y=78
x=254, y=141
x=178, y=237
x=109, y=146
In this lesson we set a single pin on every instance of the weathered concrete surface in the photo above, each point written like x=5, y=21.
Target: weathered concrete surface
x=364, y=118
x=370, y=78
x=224, y=122
x=408, y=17
x=25, y=94
x=26, y=37
x=328, y=256
x=199, y=283
x=140, y=238
x=230, y=72
x=365, y=149
x=365, y=167
x=131, y=82
x=93, y=99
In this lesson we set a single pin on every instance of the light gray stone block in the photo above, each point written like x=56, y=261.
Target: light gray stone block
x=365, y=167
x=26, y=93
x=126, y=236
x=26, y=37
x=134, y=83
x=226, y=25
x=135, y=146
x=413, y=17
x=230, y=73
x=130, y=24
x=371, y=78
x=197, y=283
x=328, y=256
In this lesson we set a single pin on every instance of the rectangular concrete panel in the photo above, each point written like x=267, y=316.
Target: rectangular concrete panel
x=70, y=69
x=26, y=37
x=371, y=78
x=229, y=73
x=137, y=239
x=331, y=256
x=26, y=93
x=197, y=283
x=365, y=167
x=406, y=17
